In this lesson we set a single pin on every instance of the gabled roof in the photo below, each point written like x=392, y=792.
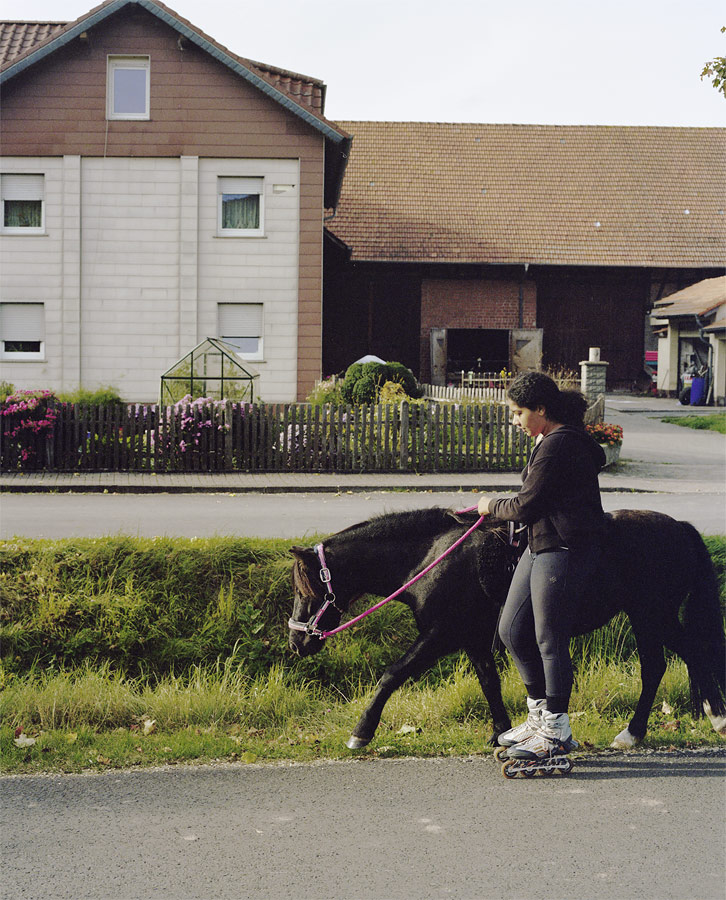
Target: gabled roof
x=700, y=299
x=22, y=44
x=540, y=194
x=16, y=38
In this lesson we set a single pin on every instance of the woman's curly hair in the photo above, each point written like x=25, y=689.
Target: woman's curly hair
x=533, y=389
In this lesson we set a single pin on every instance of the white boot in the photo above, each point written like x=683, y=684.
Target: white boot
x=552, y=736
x=524, y=731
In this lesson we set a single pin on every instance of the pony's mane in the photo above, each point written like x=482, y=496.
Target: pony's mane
x=302, y=581
x=430, y=521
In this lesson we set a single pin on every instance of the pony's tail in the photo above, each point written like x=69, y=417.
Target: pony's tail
x=704, y=626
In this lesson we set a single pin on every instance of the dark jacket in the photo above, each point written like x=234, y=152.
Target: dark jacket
x=560, y=497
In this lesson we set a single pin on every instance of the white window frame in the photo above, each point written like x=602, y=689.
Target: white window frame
x=33, y=193
x=230, y=339
x=115, y=63
x=246, y=184
x=33, y=356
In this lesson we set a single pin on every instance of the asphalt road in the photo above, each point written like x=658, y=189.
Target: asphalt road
x=274, y=515
x=621, y=827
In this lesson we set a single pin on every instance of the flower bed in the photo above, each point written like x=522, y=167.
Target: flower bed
x=28, y=421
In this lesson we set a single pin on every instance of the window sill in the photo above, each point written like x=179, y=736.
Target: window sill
x=22, y=358
x=241, y=235
x=22, y=232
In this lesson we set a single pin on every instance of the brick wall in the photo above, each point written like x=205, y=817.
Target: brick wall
x=474, y=303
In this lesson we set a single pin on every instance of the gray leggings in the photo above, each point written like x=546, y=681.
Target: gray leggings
x=536, y=622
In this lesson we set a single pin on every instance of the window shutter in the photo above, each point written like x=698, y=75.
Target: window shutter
x=22, y=322
x=23, y=187
x=240, y=185
x=240, y=319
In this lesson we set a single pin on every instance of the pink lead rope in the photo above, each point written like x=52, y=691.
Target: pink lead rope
x=325, y=577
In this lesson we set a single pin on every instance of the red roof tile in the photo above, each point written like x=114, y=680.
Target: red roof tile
x=18, y=37
x=558, y=195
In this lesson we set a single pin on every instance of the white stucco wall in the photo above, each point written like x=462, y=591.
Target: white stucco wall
x=31, y=270
x=254, y=269
x=131, y=269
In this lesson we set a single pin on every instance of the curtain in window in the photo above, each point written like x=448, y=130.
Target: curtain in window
x=240, y=211
x=22, y=197
x=23, y=214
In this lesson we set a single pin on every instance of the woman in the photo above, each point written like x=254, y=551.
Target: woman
x=559, y=502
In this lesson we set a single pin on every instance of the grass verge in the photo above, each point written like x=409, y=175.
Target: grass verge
x=121, y=652
x=710, y=422
x=98, y=720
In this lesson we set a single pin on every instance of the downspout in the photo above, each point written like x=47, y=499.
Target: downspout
x=521, y=297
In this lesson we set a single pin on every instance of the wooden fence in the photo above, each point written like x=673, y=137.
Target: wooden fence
x=219, y=437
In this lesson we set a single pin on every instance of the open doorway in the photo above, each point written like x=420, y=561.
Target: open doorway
x=477, y=350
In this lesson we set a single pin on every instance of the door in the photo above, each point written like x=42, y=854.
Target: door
x=525, y=349
x=438, y=356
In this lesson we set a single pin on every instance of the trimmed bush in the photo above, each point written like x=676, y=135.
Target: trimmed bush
x=363, y=382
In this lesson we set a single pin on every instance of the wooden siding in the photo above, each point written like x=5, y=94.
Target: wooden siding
x=199, y=107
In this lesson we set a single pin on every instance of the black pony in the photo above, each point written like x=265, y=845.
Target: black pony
x=655, y=569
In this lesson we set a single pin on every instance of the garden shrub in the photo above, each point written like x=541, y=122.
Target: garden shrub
x=101, y=396
x=363, y=382
x=327, y=391
x=365, y=389
x=28, y=418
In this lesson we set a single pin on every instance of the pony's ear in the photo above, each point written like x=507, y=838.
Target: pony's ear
x=301, y=552
x=463, y=517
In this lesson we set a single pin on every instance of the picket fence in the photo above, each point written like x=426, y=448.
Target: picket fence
x=222, y=437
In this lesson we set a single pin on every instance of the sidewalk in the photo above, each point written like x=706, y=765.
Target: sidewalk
x=655, y=457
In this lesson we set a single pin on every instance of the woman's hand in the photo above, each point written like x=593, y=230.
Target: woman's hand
x=483, y=506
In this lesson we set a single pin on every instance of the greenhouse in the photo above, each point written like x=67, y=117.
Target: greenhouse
x=212, y=369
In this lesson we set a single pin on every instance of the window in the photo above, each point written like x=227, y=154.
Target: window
x=127, y=87
x=22, y=331
x=240, y=207
x=23, y=204
x=240, y=324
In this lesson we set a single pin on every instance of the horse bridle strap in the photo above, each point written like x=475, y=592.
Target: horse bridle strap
x=311, y=627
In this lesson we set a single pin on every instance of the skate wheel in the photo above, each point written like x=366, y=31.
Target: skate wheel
x=500, y=754
x=567, y=767
x=509, y=770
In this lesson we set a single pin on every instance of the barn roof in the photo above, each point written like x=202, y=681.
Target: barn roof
x=539, y=194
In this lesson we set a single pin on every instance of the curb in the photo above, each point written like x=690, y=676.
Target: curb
x=290, y=489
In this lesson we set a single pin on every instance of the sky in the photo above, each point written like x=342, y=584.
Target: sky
x=548, y=62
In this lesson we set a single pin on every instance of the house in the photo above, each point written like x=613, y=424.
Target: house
x=158, y=189
x=691, y=325
x=465, y=246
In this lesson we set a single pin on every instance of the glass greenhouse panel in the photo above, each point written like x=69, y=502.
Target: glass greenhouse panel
x=212, y=369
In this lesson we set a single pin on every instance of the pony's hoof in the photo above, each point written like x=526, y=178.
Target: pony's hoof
x=355, y=743
x=625, y=741
x=718, y=722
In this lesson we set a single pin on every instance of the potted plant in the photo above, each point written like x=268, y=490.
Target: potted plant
x=610, y=438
